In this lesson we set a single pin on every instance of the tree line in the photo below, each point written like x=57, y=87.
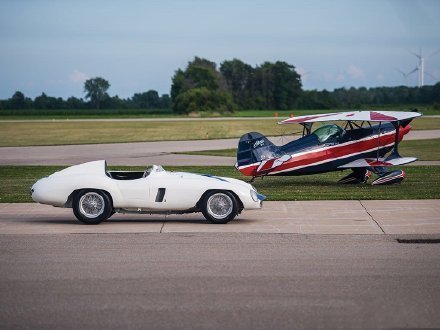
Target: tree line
x=96, y=97
x=235, y=84
x=202, y=86
x=346, y=98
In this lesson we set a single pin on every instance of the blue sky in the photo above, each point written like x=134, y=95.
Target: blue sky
x=53, y=46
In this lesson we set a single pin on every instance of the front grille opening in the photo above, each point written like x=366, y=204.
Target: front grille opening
x=418, y=240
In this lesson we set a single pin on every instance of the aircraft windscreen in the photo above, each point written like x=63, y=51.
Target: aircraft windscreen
x=328, y=133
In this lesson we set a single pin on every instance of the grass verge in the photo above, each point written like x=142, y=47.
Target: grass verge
x=62, y=133
x=422, y=182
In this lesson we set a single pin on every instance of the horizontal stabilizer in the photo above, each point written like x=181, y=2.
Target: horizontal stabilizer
x=271, y=164
x=372, y=162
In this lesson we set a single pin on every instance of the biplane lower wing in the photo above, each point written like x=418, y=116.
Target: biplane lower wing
x=382, y=162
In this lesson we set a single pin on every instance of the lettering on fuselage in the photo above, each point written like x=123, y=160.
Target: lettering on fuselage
x=259, y=143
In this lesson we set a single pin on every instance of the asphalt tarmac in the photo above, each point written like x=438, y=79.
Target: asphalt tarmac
x=217, y=281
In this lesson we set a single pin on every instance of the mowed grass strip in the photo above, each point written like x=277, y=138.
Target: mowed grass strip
x=422, y=149
x=422, y=182
x=62, y=133
x=59, y=133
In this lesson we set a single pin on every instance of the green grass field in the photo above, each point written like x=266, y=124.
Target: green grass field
x=74, y=132
x=422, y=149
x=161, y=113
x=422, y=182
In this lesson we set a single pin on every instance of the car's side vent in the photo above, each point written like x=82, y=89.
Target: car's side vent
x=160, y=195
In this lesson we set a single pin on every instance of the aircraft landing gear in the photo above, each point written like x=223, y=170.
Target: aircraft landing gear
x=359, y=175
x=389, y=178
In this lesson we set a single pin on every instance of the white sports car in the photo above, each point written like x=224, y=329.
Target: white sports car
x=95, y=194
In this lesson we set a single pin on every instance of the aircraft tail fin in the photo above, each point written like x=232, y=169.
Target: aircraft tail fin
x=255, y=148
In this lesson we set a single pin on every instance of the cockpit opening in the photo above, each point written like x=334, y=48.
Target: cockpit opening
x=133, y=175
x=330, y=133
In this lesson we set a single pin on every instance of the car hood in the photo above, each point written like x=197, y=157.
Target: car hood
x=211, y=178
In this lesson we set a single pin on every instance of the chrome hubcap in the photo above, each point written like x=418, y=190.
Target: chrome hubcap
x=91, y=204
x=220, y=205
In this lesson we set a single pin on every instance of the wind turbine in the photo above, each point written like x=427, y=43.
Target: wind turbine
x=420, y=68
x=405, y=76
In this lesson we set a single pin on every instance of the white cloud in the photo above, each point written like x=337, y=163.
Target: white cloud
x=355, y=72
x=78, y=77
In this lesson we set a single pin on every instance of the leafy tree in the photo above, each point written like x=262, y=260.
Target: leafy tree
x=165, y=102
x=153, y=100
x=40, y=102
x=75, y=103
x=203, y=99
x=276, y=86
x=96, y=90
x=238, y=76
x=18, y=101
x=49, y=102
x=177, y=84
x=200, y=87
x=147, y=100
x=269, y=86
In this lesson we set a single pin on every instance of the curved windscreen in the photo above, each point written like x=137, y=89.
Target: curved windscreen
x=328, y=133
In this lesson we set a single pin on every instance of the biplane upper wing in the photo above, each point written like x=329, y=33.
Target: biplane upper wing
x=371, y=116
x=374, y=162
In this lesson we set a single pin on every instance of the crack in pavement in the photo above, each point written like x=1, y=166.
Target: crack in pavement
x=374, y=220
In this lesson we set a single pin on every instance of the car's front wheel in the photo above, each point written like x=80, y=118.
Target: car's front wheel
x=219, y=207
x=92, y=206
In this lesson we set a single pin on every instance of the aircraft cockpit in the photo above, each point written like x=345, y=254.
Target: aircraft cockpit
x=330, y=133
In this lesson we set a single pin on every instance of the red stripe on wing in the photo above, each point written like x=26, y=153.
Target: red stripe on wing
x=379, y=116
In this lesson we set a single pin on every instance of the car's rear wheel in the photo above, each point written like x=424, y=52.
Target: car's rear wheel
x=219, y=207
x=92, y=206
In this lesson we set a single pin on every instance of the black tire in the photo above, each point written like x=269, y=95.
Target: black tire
x=219, y=207
x=92, y=206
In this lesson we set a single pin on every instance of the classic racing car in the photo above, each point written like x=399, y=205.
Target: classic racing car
x=95, y=194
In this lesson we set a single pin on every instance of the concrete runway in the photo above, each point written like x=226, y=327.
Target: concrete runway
x=144, y=153
x=217, y=281
x=293, y=217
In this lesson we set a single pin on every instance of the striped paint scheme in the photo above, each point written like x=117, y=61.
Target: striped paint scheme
x=393, y=177
x=327, y=158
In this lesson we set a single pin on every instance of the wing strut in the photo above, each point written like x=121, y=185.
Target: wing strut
x=395, y=153
x=378, y=142
x=307, y=128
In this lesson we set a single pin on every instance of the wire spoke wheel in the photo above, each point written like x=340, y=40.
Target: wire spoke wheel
x=91, y=205
x=220, y=205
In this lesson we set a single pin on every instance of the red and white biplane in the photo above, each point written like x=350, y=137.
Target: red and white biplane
x=355, y=145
